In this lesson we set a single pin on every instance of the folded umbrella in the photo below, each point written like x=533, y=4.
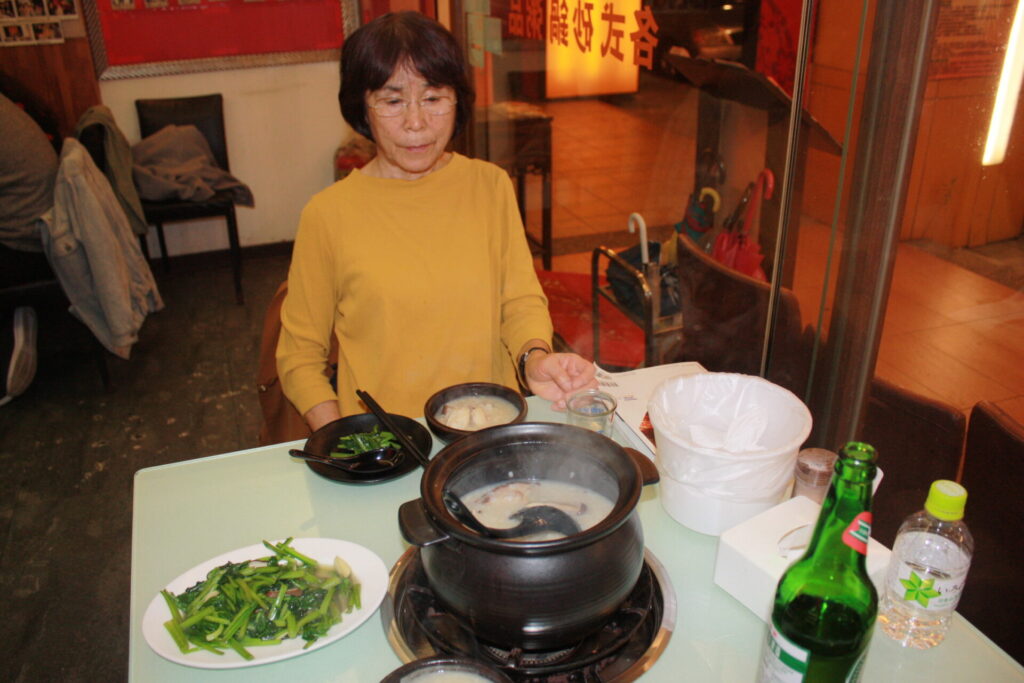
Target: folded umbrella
x=734, y=246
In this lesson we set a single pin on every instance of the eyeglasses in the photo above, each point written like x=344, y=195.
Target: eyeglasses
x=434, y=105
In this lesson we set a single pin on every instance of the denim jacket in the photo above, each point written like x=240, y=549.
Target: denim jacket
x=93, y=251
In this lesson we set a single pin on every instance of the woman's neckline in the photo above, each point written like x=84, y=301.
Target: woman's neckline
x=445, y=162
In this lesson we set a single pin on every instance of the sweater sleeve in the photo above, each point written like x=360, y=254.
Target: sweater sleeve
x=524, y=309
x=307, y=316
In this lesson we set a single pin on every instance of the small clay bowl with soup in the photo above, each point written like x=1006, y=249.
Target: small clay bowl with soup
x=462, y=409
x=446, y=670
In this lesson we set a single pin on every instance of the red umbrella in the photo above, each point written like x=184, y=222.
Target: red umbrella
x=733, y=246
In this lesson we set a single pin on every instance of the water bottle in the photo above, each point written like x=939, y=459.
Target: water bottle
x=929, y=564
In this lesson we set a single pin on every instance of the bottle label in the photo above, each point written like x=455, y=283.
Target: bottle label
x=782, y=661
x=923, y=586
x=925, y=591
x=857, y=534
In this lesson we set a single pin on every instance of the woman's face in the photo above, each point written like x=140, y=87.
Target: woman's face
x=412, y=143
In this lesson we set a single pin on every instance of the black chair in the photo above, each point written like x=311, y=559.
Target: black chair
x=206, y=113
x=993, y=474
x=918, y=440
x=724, y=314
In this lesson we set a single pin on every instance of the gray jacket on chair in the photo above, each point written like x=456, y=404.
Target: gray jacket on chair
x=93, y=251
x=118, y=169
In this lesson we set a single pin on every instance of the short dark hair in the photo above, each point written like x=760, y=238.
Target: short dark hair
x=370, y=56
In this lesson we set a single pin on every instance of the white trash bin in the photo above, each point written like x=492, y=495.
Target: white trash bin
x=726, y=447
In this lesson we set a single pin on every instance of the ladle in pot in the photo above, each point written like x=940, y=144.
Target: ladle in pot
x=533, y=520
x=368, y=462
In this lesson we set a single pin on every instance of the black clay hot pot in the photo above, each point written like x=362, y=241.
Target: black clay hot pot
x=535, y=595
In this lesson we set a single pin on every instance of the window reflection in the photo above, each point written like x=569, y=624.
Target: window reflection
x=954, y=319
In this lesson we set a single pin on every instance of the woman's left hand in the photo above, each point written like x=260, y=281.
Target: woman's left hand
x=556, y=376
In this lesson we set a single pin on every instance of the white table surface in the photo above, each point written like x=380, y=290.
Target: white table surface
x=188, y=512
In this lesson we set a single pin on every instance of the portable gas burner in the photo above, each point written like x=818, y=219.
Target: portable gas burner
x=418, y=625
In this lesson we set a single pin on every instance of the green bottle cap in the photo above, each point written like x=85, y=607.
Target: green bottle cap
x=946, y=500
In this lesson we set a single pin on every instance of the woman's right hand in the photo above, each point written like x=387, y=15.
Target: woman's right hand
x=556, y=376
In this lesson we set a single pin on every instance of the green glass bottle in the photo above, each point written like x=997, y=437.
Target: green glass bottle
x=825, y=603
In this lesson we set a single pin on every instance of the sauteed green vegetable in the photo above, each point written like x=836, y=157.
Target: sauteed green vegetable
x=351, y=445
x=262, y=602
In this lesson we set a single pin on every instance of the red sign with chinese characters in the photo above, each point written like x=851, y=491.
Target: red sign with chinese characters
x=597, y=51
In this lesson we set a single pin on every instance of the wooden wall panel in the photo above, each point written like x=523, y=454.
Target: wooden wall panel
x=1000, y=191
x=827, y=101
x=956, y=201
x=942, y=175
x=830, y=76
x=916, y=183
x=951, y=200
x=60, y=77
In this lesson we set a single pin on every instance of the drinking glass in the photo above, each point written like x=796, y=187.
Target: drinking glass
x=592, y=409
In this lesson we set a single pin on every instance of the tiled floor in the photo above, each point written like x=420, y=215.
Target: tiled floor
x=949, y=333
x=69, y=451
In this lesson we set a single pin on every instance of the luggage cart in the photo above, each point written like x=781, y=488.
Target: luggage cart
x=662, y=333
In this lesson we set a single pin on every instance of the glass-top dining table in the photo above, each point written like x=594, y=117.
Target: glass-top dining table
x=188, y=512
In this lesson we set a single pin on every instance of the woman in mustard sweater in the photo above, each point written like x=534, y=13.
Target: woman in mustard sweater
x=418, y=262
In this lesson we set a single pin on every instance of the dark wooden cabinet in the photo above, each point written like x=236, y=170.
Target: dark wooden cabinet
x=58, y=78
x=517, y=137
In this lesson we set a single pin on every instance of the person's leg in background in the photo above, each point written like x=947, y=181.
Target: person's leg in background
x=19, y=333
x=18, y=325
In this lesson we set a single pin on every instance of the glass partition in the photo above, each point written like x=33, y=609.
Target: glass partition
x=888, y=252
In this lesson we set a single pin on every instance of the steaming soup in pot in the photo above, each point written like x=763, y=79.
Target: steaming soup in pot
x=494, y=503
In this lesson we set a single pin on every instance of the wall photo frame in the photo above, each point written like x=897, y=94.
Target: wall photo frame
x=34, y=22
x=140, y=38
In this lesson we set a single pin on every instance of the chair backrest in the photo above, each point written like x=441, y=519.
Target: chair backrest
x=205, y=112
x=724, y=314
x=993, y=474
x=280, y=421
x=919, y=440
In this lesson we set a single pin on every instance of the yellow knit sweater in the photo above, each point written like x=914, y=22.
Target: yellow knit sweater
x=427, y=283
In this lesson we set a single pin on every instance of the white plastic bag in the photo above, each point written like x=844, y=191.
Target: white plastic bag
x=728, y=436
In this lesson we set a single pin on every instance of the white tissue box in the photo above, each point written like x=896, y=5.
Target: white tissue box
x=749, y=563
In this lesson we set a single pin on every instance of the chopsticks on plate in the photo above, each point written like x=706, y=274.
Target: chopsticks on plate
x=385, y=419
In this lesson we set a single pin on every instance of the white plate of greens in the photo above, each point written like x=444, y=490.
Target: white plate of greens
x=309, y=604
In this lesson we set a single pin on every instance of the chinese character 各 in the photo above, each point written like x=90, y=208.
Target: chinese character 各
x=644, y=38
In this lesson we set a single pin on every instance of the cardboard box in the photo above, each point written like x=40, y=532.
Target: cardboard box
x=753, y=555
